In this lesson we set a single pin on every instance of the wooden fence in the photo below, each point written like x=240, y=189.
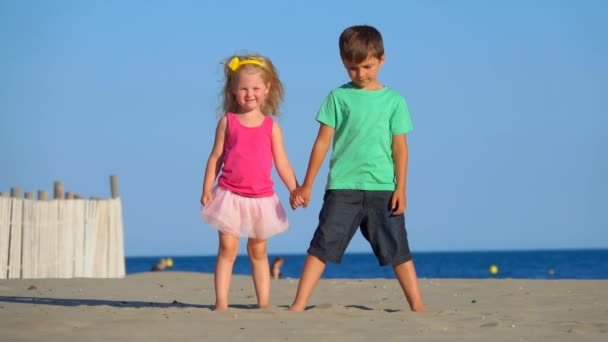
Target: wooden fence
x=66, y=237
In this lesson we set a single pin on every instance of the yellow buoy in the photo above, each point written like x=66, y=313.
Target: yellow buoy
x=494, y=269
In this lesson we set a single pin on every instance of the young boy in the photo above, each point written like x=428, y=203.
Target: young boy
x=368, y=168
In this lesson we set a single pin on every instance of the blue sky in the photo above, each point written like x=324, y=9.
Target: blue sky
x=509, y=143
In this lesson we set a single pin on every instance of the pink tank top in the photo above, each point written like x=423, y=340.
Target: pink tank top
x=248, y=158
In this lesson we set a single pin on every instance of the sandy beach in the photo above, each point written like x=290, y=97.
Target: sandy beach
x=169, y=306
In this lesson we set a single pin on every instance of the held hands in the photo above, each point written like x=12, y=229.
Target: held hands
x=300, y=197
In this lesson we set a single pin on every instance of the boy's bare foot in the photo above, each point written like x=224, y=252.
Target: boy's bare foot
x=418, y=308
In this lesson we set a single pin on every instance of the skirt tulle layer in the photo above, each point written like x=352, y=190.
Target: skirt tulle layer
x=250, y=217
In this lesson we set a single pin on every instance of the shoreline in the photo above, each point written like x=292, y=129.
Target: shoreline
x=167, y=305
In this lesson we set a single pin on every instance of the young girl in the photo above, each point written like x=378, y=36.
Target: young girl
x=247, y=141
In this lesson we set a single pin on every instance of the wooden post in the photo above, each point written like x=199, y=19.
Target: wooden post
x=30, y=195
x=14, y=237
x=43, y=195
x=58, y=193
x=30, y=239
x=16, y=192
x=114, y=186
x=5, y=231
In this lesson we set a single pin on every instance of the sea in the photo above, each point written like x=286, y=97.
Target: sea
x=533, y=264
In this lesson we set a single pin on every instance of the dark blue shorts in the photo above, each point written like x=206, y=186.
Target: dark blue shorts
x=344, y=211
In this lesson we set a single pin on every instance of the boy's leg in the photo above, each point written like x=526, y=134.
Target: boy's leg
x=311, y=273
x=406, y=275
x=339, y=219
x=387, y=235
x=226, y=254
x=257, y=251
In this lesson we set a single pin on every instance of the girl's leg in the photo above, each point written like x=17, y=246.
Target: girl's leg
x=311, y=273
x=257, y=251
x=226, y=254
x=406, y=275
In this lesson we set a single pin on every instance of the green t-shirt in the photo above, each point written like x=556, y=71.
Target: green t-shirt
x=364, y=122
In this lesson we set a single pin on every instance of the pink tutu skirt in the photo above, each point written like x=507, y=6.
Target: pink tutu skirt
x=250, y=217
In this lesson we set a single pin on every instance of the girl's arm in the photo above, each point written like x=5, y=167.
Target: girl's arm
x=214, y=163
x=399, y=147
x=281, y=162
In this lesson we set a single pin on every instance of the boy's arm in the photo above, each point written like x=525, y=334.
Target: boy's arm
x=281, y=162
x=400, y=155
x=214, y=163
x=317, y=156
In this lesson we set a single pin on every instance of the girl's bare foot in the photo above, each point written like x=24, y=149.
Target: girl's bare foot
x=220, y=307
x=297, y=308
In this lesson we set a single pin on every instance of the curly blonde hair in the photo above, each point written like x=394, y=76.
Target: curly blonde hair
x=269, y=75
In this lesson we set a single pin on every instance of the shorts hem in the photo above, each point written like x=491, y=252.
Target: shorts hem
x=324, y=258
x=397, y=261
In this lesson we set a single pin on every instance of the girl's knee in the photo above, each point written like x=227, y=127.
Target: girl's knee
x=228, y=254
x=228, y=249
x=257, y=249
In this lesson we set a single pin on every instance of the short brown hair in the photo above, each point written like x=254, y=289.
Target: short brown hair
x=359, y=42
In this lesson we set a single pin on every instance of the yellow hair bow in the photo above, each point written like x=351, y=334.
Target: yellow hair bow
x=236, y=63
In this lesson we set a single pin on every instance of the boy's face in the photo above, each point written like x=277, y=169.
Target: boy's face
x=364, y=74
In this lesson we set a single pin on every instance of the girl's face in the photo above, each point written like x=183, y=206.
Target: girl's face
x=250, y=91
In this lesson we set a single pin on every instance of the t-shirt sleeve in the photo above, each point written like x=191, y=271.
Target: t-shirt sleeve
x=400, y=119
x=327, y=112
